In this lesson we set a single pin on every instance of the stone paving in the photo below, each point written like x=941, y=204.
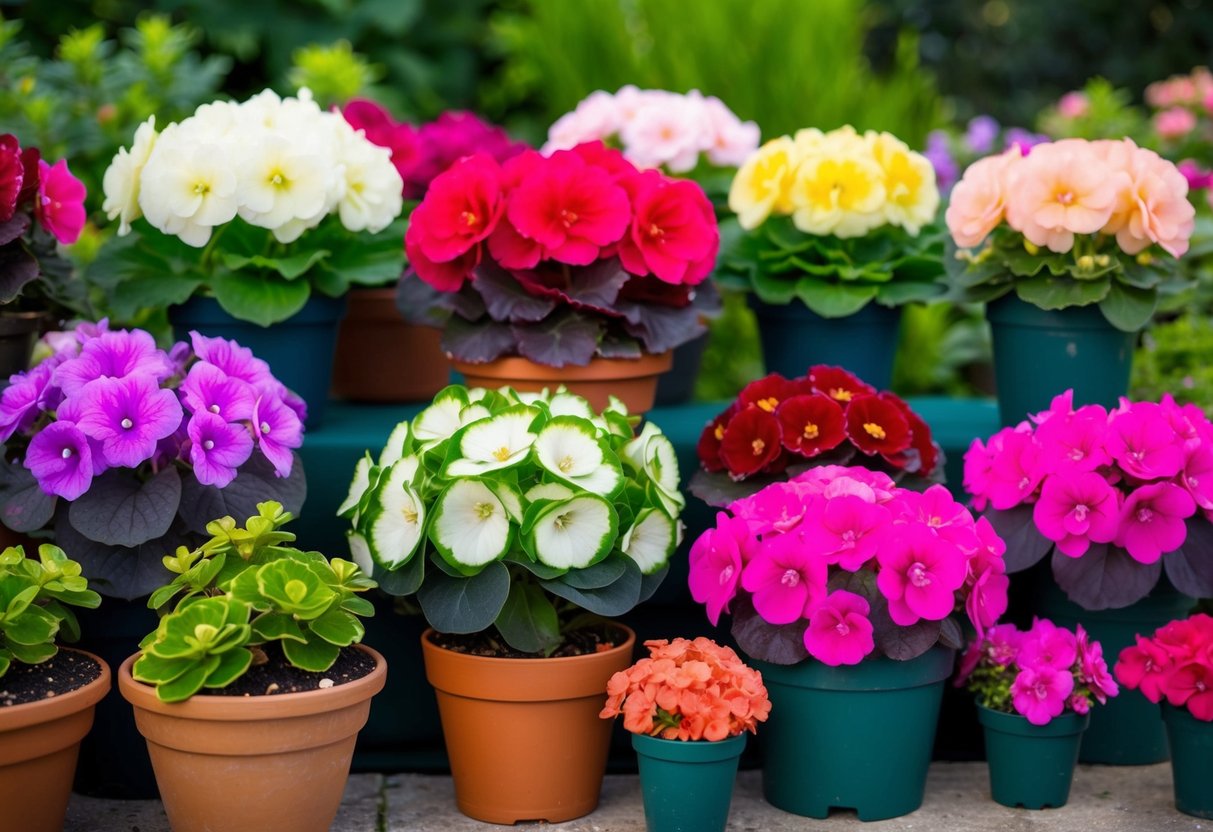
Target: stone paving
x=1104, y=799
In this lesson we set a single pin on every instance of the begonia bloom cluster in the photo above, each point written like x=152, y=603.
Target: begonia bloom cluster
x=1175, y=664
x=50, y=192
x=1038, y=673
x=688, y=690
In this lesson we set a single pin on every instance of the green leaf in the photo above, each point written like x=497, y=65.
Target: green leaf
x=1128, y=308
x=289, y=266
x=189, y=682
x=601, y=574
x=34, y=626
x=1050, y=292
x=338, y=627
x=155, y=670
x=275, y=626
x=774, y=288
x=539, y=570
x=358, y=606
x=31, y=653
x=834, y=300
x=528, y=621
x=611, y=600
x=316, y=654
x=232, y=665
x=260, y=299
x=465, y=605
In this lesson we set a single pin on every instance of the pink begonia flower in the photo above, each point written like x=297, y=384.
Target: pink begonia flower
x=1073, y=104
x=777, y=508
x=1076, y=509
x=732, y=140
x=1188, y=421
x=987, y=600
x=1143, y=666
x=1002, y=644
x=978, y=460
x=1174, y=122
x=969, y=661
x=1016, y=470
x=919, y=574
x=1079, y=704
x=846, y=530
x=673, y=233
x=1047, y=645
x=1152, y=521
x=665, y=130
x=839, y=632
x=979, y=200
x=1143, y=443
x=597, y=116
x=1191, y=685
x=1152, y=204
x=1061, y=189
x=1040, y=693
x=59, y=205
x=1197, y=477
x=938, y=511
x=1093, y=669
x=785, y=579
x=716, y=560
x=1075, y=440
x=873, y=486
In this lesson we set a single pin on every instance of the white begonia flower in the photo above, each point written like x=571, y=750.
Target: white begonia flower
x=358, y=487
x=491, y=444
x=360, y=552
x=187, y=187
x=393, y=448
x=283, y=181
x=653, y=453
x=574, y=533
x=398, y=522
x=666, y=131
x=373, y=192
x=121, y=181
x=651, y=539
x=548, y=491
x=470, y=527
x=441, y=419
x=568, y=448
x=217, y=122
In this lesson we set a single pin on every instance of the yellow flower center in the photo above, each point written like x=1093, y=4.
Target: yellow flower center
x=565, y=465
x=810, y=430
x=483, y=510
x=567, y=217
x=410, y=516
x=759, y=446
x=277, y=178
x=768, y=404
x=469, y=219
x=655, y=231
x=840, y=394
x=202, y=188
x=874, y=430
x=501, y=454
x=719, y=432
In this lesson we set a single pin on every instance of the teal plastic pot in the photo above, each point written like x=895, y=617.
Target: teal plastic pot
x=1031, y=765
x=852, y=737
x=1127, y=731
x=687, y=786
x=1191, y=760
x=1039, y=353
x=795, y=338
x=299, y=350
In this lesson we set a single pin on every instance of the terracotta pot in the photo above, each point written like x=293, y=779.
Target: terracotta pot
x=250, y=764
x=523, y=735
x=632, y=380
x=381, y=358
x=39, y=742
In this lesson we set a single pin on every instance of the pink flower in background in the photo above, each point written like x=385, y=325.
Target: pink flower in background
x=59, y=205
x=1143, y=442
x=919, y=574
x=595, y=117
x=987, y=600
x=1074, y=104
x=978, y=462
x=666, y=130
x=1060, y=190
x=1079, y=704
x=978, y=202
x=1144, y=666
x=716, y=561
x=1191, y=685
x=1152, y=521
x=732, y=139
x=1174, y=122
x=1041, y=693
x=785, y=579
x=23, y=400
x=12, y=175
x=1198, y=178
x=1077, y=508
x=839, y=632
x=1002, y=644
x=846, y=530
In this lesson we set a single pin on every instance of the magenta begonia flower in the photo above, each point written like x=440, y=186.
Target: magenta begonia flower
x=839, y=631
x=1002, y=643
x=60, y=458
x=1077, y=508
x=919, y=574
x=846, y=530
x=1016, y=469
x=785, y=579
x=233, y=359
x=1075, y=440
x=113, y=355
x=1040, y=693
x=1093, y=669
x=1143, y=443
x=217, y=448
x=128, y=416
x=987, y=599
x=716, y=561
x=60, y=202
x=207, y=388
x=1152, y=521
x=777, y=508
x=23, y=400
x=1046, y=644
x=978, y=460
x=278, y=430
x=1197, y=475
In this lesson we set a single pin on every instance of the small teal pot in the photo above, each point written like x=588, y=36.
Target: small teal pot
x=1031, y=765
x=855, y=737
x=1191, y=761
x=1039, y=353
x=687, y=786
x=299, y=350
x=794, y=338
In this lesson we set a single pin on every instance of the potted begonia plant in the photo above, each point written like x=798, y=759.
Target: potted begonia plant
x=838, y=236
x=380, y=357
x=1035, y=689
x=1175, y=664
x=1118, y=501
x=41, y=208
x=519, y=523
x=248, y=215
x=47, y=695
x=778, y=427
x=845, y=590
x=1069, y=246
x=255, y=681
x=575, y=268
x=688, y=706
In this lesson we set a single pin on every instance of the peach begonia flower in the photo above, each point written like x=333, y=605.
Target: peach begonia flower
x=1152, y=206
x=979, y=200
x=1062, y=189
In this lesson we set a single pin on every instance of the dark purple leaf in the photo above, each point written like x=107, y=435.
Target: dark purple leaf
x=561, y=339
x=593, y=288
x=506, y=299
x=422, y=304
x=718, y=489
x=661, y=328
x=950, y=634
x=1105, y=577
x=255, y=483
x=1190, y=567
x=120, y=571
x=707, y=300
x=121, y=510
x=24, y=506
x=767, y=642
x=861, y=583
x=905, y=643
x=477, y=342
x=13, y=228
x=17, y=268
x=614, y=346
x=1025, y=544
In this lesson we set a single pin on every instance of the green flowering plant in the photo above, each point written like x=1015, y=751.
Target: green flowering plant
x=36, y=597
x=517, y=511
x=242, y=589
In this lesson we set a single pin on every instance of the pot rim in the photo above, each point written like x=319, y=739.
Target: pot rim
x=599, y=369
x=252, y=708
x=628, y=643
x=1068, y=723
x=690, y=751
x=57, y=707
x=869, y=676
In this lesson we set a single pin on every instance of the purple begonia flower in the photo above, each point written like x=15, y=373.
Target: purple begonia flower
x=61, y=459
x=209, y=389
x=982, y=132
x=180, y=354
x=1024, y=139
x=23, y=400
x=114, y=355
x=129, y=416
x=278, y=430
x=63, y=345
x=70, y=411
x=295, y=402
x=169, y=449
x=939, y=155
x=87, y=330
x=217, y=448
x=233, y=359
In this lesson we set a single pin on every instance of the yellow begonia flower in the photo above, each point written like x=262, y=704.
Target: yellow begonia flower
x=911, y=196
x=844, y=141
x=838, y=194
x=763, y=183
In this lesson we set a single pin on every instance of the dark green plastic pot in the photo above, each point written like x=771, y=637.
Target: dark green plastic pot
x=19, y=332
x=1031, y=765
x=795, y=338
x=687, y=786
x=299, y=350
x=852, y=737
x=1191, y=761
x=1039, y=353
x=1127, y=731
